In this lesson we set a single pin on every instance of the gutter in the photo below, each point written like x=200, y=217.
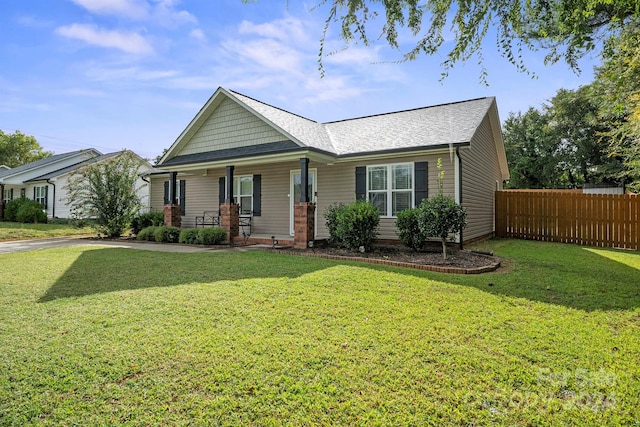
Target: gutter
x=53, y=205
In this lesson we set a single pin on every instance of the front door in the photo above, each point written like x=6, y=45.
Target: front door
x=294, y=194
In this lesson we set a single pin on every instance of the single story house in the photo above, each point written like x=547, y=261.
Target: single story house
x=45, y=180
x=243, y=159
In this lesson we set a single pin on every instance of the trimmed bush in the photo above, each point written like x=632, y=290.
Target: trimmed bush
x=147, y=233
x=441, y=216
x=353, y=226
x=11, y=208
x=189, y=236
x=408, y=225
x=31, y=212
x=167, y=234
x=147, y=219
x=212, y=235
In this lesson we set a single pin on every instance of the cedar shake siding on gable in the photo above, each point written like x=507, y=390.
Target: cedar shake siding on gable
x=232, y=126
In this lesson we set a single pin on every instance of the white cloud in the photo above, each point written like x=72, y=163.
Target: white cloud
x=126, y=41
x=133, y=9
x=165, y=14
x=266, y=54
x=160, y=12
x=124, y=74
x=198, y=34
x=288, y=30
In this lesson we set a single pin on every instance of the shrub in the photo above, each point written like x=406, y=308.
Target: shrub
x=148, y=233
x=11, y=208
x=167, y=234
x=147, y=219
x=212, y=236
x=31, y=212
x=408, y=226
x=354, y=225
x=440, y=216
x=189, y=236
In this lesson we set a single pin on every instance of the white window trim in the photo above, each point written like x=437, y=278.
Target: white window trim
x=41, y=195
x=236, y=192
x=389, y=191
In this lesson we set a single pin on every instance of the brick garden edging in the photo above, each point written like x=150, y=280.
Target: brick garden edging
x=436, y=268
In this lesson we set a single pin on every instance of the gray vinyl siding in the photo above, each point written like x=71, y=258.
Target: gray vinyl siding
x=335, y=184
x=480, y=176
x=339, y=182
x=231, y=126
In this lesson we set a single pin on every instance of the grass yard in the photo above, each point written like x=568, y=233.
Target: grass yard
x=92, y=336
x=19, y=231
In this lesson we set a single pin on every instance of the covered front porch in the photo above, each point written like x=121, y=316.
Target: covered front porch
x=255, y=203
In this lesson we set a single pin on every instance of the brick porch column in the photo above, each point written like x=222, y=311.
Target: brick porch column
x=230, y=219
x=304, y=214
x=172, y=216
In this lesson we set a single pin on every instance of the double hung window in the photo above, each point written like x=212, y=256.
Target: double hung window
x=390, y=187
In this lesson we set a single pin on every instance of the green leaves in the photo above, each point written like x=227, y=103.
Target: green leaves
x=567, y=29
x=107, y=191
x=18, y=149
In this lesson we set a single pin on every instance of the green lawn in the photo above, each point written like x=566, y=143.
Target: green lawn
x=110, y=336
x=18, y=231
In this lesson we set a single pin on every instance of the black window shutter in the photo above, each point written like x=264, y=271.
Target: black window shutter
x=257, y=195
x=34, y=193
x=183, y=197
x=361, y=183
x=46, y=197
x=11, y=194
x=221, y=190
x=166, y=193
x=421, y=181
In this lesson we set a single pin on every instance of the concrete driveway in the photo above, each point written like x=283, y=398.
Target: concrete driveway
x=30, y=245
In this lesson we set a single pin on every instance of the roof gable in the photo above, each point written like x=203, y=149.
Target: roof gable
x=43, y=166
x=229, y=126
x=418, y=129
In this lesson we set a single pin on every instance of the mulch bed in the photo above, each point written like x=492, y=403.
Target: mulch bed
x=458, y=261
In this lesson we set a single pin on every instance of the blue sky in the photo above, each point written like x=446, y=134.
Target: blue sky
x=113, y=74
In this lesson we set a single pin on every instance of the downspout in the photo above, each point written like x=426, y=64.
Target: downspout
x=459, y=187
x=142, y=177
x=53, y=205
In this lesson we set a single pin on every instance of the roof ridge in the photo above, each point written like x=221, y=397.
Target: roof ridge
x=273, y=106
x=409, y=110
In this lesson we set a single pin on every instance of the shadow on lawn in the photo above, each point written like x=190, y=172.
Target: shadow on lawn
x=593, y=281
x=115, y=269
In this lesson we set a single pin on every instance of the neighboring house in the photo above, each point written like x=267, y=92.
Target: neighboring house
x=389, y=159
x=45, y=180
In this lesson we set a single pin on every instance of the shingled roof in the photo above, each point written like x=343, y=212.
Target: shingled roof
x=428, y=127
x=41, y=162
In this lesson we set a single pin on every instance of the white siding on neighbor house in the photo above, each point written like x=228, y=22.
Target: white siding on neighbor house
x=480, y=178
x=335, y=184
x=230, y=126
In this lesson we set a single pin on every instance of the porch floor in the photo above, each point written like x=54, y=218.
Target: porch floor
x=264, y=239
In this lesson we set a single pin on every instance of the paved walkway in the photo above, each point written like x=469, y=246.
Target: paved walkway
x=30, y=245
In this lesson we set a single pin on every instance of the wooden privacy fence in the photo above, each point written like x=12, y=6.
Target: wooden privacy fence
x=605, y=220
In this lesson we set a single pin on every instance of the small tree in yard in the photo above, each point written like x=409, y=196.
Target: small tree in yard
x=438, y=216
x=107, y=191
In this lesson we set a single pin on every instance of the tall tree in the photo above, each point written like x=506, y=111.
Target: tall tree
x=566, y=29
x=108, y=192
x=617, y=88
x=19, y=149
x=533, y=153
